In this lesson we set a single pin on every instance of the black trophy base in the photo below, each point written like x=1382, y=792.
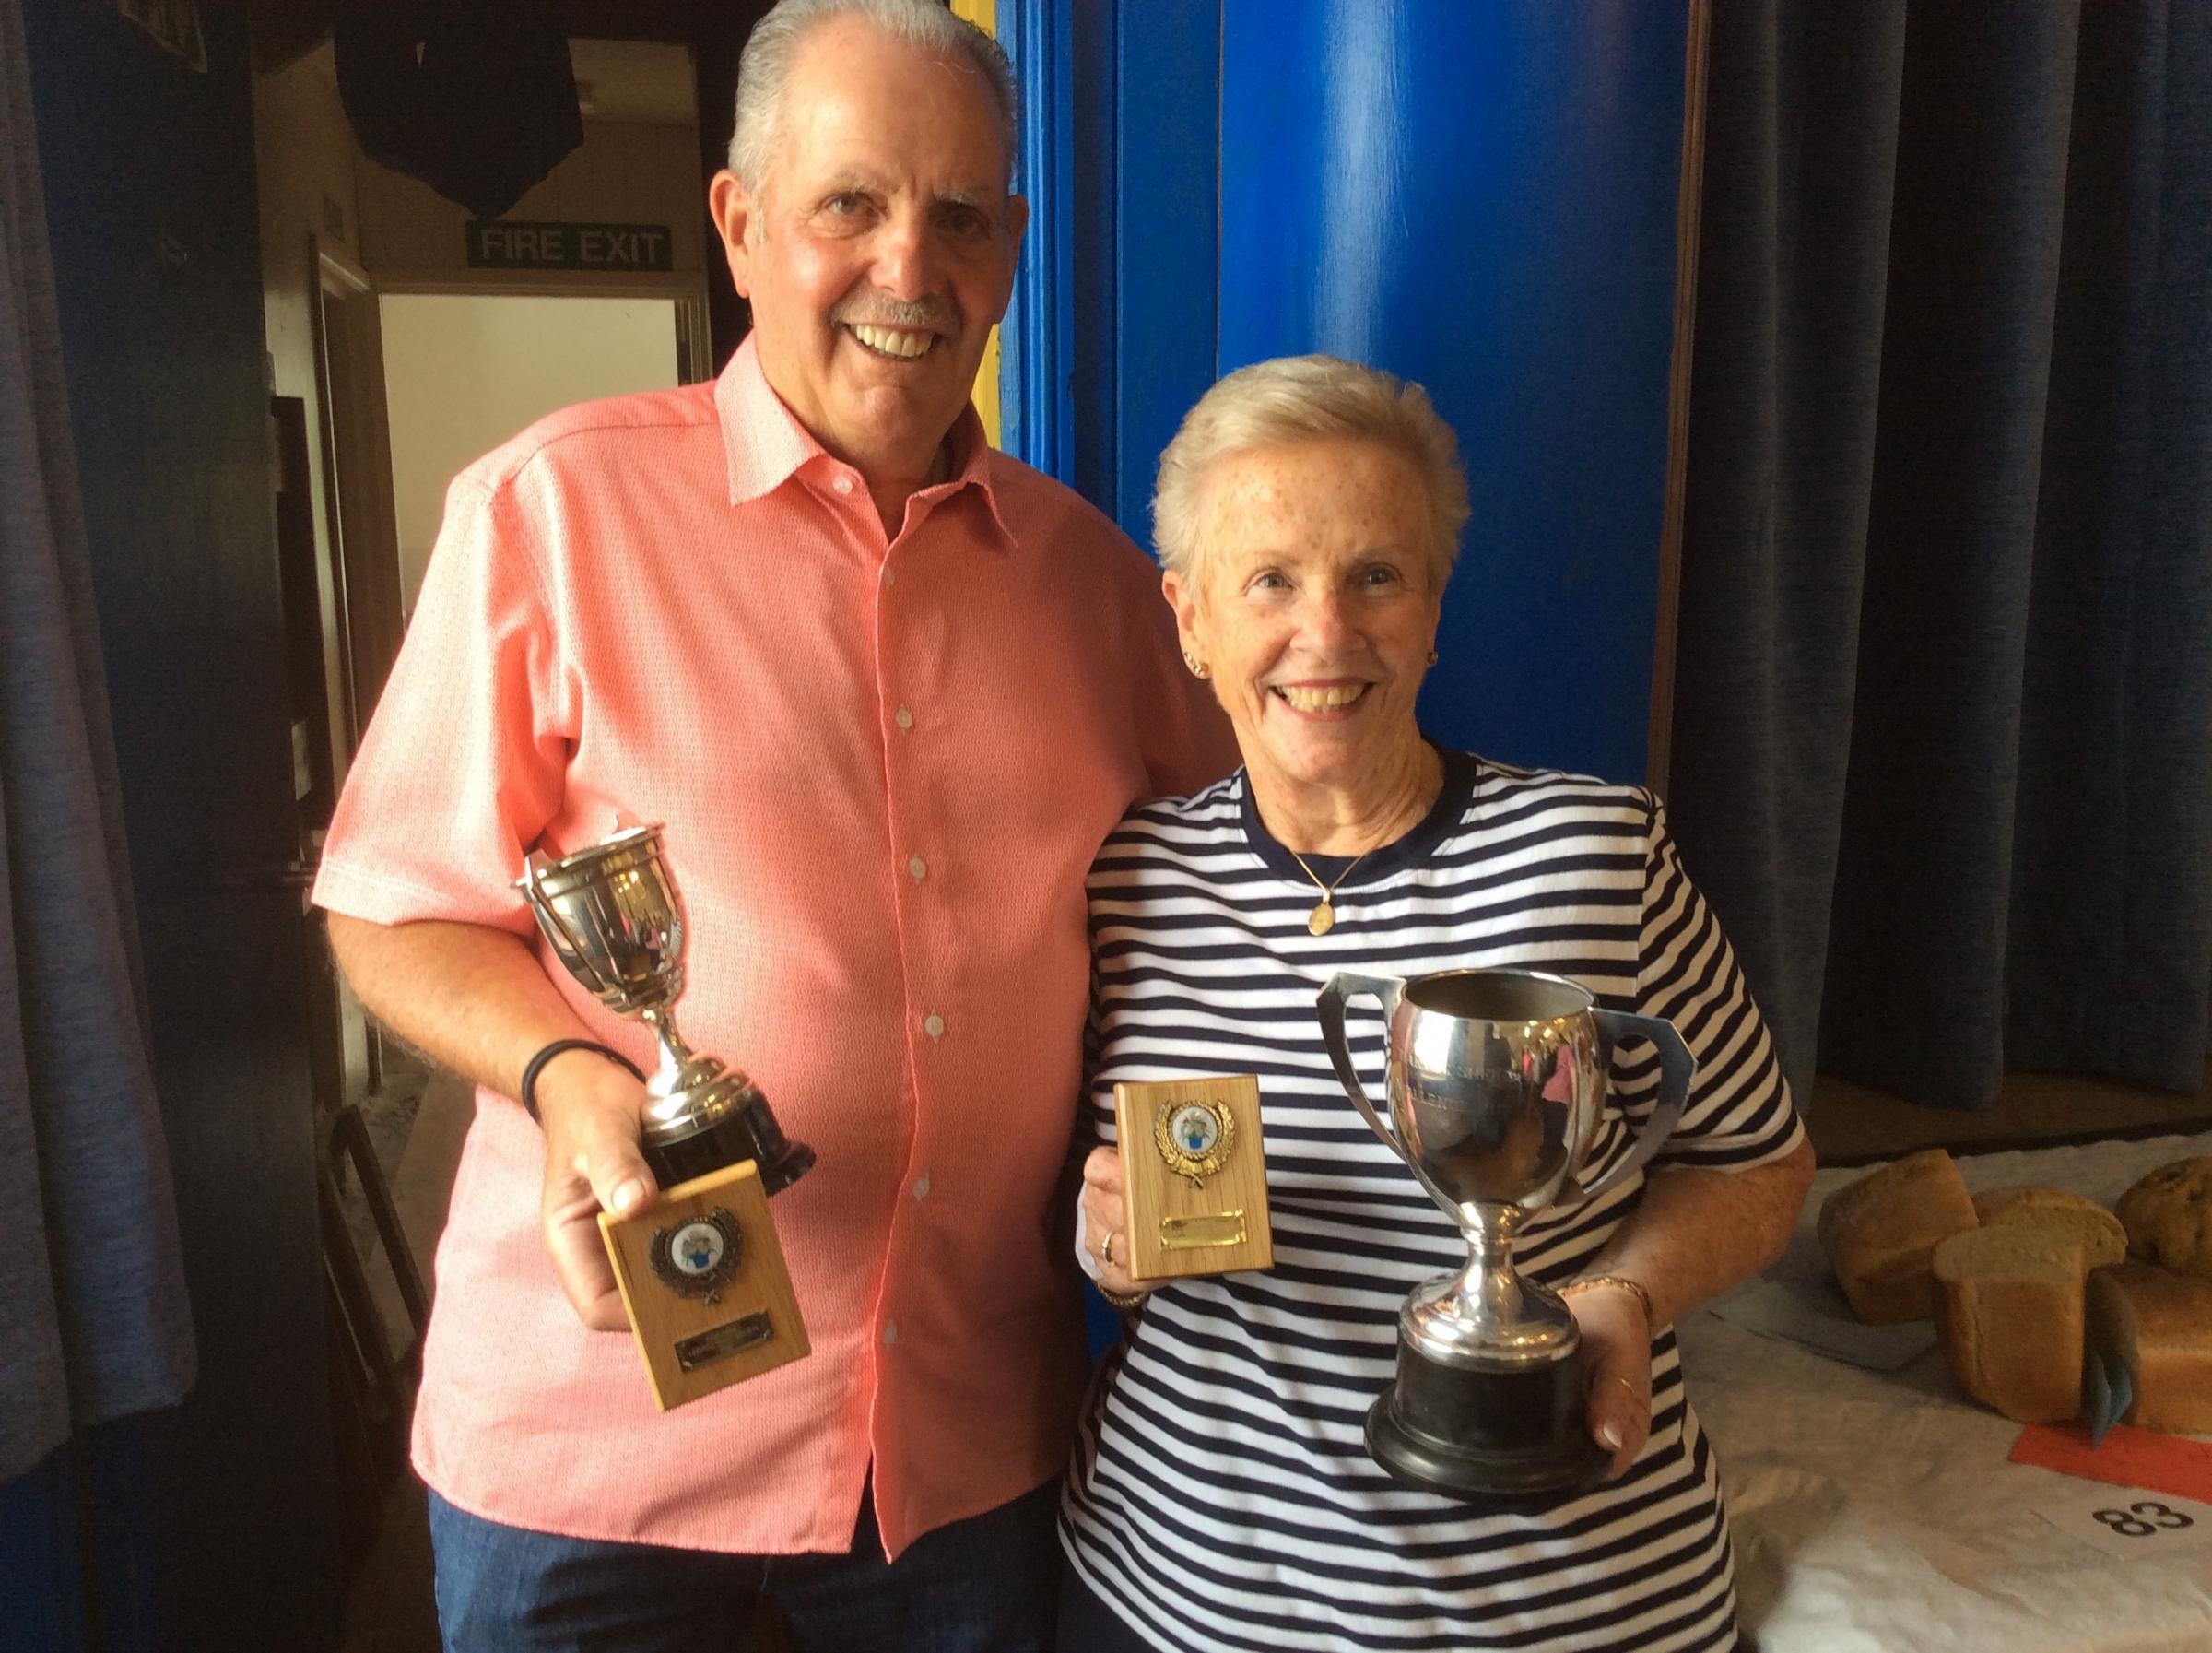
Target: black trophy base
x=1511, y=1438
x=746, y=1133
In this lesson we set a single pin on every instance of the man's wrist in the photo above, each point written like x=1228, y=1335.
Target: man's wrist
x=533, y=1070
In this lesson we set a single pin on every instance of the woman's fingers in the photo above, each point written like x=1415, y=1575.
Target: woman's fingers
x=1103, y=1218
x=1103, y=1170
x=1618, y=1344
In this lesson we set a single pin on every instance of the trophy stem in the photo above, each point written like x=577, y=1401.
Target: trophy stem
x=1488, y=1292
x=680, y=1068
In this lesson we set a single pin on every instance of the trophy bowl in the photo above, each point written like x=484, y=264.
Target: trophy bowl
x=1496, y=1084
x=612, y=915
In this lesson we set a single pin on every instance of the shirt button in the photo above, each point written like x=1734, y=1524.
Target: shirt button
x=890, y=1333
x=918, y=867
x=889, y=578
x=934, y=1025
x=903, y=718
x=922, y=1186
x=843, y=484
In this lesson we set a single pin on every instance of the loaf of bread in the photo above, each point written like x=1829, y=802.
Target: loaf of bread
x=2169, y=1216
x=2102, y=1239
x=2010, y=1317
x=2157, y=1326
x=1880, y=1231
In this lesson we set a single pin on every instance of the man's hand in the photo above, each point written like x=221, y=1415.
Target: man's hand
x=1104, y=1221
x=593, y=1113
x=476, y=1000
x=1619, y=1346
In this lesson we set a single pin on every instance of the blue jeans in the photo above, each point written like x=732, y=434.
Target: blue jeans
x=985, y=1585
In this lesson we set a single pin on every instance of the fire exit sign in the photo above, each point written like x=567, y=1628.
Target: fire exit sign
x=502, y=245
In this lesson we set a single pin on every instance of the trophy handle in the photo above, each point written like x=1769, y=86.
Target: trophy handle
x=1345, y=985
x=1676, y=1068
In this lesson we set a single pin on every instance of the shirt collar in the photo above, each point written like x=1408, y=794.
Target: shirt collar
x=765, y=445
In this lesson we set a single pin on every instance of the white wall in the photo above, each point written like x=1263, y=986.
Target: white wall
x=462, y=374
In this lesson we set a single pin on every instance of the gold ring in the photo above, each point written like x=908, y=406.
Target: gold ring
x=1106, y=1250
x=1628, y=1381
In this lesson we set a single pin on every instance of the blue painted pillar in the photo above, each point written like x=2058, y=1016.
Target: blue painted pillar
x=1482, y=197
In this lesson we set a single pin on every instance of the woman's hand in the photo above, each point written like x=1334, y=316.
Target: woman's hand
x=1105, y=1228
x=1619, y=1343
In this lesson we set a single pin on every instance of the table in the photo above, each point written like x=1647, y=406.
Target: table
x=1875, y=1512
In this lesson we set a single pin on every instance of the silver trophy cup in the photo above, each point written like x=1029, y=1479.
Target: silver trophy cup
x=612, y=914
x=1497, y=1083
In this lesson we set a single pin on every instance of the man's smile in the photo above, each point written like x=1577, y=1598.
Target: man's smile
x=894, y=344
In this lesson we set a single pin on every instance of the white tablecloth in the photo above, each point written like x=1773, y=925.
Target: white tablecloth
x=1876, y=1513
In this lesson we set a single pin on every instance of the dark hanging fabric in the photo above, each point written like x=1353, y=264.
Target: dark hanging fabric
x=478, y=102
x=1943, y=720
x=92, y=1301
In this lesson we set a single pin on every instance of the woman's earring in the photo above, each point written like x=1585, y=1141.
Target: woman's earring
x=1432, y=656
x=1196, y=665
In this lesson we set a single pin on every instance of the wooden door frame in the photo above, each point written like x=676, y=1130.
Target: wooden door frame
x=357, y=487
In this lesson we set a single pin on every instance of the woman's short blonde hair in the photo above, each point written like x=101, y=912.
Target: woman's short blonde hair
x=1307, y=398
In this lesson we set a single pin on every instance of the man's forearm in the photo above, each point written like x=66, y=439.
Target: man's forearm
x=471, y=997
x=1698, y=1232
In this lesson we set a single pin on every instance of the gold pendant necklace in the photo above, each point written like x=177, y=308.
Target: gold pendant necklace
x=1323, y=918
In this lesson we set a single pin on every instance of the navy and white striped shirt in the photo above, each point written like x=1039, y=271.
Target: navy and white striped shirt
x=1222, y=1496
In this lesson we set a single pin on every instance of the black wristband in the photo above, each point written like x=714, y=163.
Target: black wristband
x=527, y=1095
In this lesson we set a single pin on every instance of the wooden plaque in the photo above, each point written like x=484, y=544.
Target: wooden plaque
x=703, y=1279
x=1194, y=1176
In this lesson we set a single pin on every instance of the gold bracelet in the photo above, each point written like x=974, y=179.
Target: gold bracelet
x=1651, y=1318
x=1122, y=1302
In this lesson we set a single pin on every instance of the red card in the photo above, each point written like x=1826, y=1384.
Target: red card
x=2157, y=1463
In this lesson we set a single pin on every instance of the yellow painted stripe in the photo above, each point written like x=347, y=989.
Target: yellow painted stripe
x=983, y=14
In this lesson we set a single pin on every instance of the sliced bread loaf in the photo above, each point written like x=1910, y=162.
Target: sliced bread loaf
x=1880, y=1232
x=2010, y=1317
x=2102, y=1239
x=2157, y=1326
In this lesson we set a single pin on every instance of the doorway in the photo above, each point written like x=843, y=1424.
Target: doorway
x=465, y=373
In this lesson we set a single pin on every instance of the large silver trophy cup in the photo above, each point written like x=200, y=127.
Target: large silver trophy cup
x=612, y=914
x=1497, y=1083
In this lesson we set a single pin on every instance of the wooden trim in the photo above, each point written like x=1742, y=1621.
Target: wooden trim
x=1688, y=214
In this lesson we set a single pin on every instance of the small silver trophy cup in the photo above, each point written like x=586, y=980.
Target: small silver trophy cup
x=1497, y=1083
x=612, y=914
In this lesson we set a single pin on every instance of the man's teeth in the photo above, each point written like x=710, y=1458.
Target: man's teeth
x=892, y=341
x=1321, y=700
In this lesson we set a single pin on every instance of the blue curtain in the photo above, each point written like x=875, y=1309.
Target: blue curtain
x=91, y=1284
x=1943, y=722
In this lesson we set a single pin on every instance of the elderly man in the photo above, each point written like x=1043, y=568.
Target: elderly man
x=887, y=690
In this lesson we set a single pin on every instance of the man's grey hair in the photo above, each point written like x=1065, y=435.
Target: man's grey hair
x=1307, y=398
x=764, y=71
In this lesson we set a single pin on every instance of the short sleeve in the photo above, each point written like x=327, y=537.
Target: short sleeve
x=464, y=760
x=1739, y=1112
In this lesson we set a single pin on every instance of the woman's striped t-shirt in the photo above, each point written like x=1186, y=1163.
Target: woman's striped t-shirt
x=1221, y=1495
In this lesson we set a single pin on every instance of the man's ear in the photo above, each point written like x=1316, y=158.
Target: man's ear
x=733, y=208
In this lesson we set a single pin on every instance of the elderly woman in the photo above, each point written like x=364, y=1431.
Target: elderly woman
x=1221, y=1496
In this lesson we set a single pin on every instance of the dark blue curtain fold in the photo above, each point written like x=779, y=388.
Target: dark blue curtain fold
x=92, y=1305
x=1943, y=725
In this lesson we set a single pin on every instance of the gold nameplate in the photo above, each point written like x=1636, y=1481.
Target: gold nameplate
x=703, y=1279
x=1191, y=1234
x=1194, y=1176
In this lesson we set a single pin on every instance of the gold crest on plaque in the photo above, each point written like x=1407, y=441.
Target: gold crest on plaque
x=1195, y=1138
x=1197, y=1203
